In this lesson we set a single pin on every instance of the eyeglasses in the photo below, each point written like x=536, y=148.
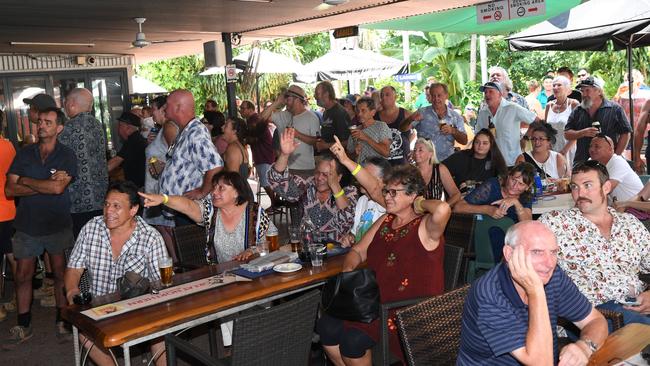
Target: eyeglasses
x=582, y=75
x=535, y=139
x=392, y=192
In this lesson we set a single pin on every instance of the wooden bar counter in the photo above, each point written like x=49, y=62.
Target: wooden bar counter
x=147, y=323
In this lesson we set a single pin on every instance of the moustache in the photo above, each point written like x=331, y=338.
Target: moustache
x=583, y=199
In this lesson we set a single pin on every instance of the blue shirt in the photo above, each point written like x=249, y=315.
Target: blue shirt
x=489, y=192
x=495, y=319
x=429, y=128
x=43, y=214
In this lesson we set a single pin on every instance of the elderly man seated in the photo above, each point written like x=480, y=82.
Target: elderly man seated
x=110, y=245
x=625, y=182
x=603, y=251
x=511, y=312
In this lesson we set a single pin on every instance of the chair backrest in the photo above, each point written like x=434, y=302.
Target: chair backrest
x=430, y=330
x=460, y=231
x=84, y=281
x=190, y=245
x=452, y=261
x=482, y=242
x=280, y=335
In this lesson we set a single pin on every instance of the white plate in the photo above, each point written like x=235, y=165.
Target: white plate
x=287, y=267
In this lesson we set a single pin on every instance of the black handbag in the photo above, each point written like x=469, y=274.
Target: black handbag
x=352, y=296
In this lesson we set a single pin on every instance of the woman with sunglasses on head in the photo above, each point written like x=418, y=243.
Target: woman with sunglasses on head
x=405, y=248
x=436, y=176
x=471, y=167
x=557, y=114
x=548, y=163
x=228, y=213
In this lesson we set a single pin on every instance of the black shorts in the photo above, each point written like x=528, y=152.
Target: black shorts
x=6, y=233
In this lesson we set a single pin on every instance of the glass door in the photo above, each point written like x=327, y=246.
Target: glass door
x=63, y=84
x=21, y=88
x=109, y=104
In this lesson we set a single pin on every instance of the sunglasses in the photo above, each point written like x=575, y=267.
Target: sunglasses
x=392, y=192
x=584, y=166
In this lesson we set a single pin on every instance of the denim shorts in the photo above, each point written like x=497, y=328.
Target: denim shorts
x=262, y=171
x=28, y=246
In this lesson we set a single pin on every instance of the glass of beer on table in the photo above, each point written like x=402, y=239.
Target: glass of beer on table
x=166, y=266
x=273, y=237
x=294, y=238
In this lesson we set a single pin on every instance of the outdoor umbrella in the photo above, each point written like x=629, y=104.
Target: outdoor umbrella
x=267, y=62
x=588, y=27
x=145, y=86
x=351, y=65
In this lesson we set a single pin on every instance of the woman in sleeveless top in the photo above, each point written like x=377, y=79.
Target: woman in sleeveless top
x=228, y=213
x=393, y=115
x=558, y=112
x=548, y=163
x=405, y=248
x=236, y=156
x=439, y=185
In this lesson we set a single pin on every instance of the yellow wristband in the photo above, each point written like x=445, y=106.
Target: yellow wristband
x=165, y=199
x=340, y=193
x=356, y=170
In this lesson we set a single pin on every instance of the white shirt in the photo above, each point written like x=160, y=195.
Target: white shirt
x=629, y=182
x=506, y=121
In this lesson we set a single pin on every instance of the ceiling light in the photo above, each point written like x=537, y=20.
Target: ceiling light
x=51, y=44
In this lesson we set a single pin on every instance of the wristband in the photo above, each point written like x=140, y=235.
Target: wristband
x=356, y=170
x=340, y=193
x=165, y=199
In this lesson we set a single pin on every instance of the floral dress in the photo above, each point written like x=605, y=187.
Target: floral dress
x=404, y=270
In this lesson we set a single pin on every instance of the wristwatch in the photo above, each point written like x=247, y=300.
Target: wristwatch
x=592, y=346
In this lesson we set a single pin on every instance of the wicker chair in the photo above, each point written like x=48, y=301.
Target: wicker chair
x=190, y=245
x=84, y=281
x=280, y=335
x=452, y=262
x=430, y=331
x=460, y=233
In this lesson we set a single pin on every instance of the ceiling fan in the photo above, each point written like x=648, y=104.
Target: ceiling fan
x=141, y=41
x=327, y=4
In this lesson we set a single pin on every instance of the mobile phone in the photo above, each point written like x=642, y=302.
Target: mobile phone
x=630, y=301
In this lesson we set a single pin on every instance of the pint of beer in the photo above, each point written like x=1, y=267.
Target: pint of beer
x=166, y=270
x=273, y=237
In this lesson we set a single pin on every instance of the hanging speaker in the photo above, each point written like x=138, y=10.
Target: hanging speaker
x=214, y=53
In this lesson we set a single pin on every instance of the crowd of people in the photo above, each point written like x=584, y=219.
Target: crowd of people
x=366, y=173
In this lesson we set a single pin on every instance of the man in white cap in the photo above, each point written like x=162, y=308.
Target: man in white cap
x=505, y=117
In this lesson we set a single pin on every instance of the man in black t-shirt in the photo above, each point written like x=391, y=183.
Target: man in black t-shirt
x=132, y=154
x=336, y=120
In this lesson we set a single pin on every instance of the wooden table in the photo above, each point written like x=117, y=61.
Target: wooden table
x=141, y=325
x=622, y=344
x=553, y=202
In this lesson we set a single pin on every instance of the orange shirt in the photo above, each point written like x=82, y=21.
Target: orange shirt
x=7, y=153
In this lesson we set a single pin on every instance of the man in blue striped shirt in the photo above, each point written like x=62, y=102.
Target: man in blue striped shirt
x=511, y=312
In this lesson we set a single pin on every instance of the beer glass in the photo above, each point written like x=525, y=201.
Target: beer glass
x=165, y=264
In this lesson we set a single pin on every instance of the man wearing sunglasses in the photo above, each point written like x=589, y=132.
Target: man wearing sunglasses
x=603, y=251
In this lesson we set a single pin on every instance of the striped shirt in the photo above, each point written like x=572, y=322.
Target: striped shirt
x=93, y=252
x=495, y=319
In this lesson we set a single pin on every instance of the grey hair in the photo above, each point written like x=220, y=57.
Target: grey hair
x=506, y=77
x=512, y=236
x=562, y=79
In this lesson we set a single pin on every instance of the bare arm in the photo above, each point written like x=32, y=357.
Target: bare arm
x=170, y=130
x=55, y=185
x=359, y=252
x=71, y=280
x=310, y=140
x=206, y=187
x=178, y=203
x=232, y=158
x=463, y=207
x=450, y=186
x=593, y=328
x=267, y=112
x=371, y=183
x=15, y=189
x=114, y=163
x=382, y=147
x=623, y=139
x=434, y=222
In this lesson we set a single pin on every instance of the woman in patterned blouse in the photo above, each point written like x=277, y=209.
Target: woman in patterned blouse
x=329, y=206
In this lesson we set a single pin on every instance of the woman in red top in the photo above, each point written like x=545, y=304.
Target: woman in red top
x=405, y=248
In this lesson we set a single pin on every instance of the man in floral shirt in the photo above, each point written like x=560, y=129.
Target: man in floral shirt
x=603, y=251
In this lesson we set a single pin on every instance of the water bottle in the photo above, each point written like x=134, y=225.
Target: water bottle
x=539, y=190
x=307, y=230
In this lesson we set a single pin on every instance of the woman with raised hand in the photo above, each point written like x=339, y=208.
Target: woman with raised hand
x=228, y=213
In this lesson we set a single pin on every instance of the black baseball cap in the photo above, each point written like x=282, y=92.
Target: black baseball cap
x=590, y=81
x=42, y=102
x=491, y=85
x=130, y=119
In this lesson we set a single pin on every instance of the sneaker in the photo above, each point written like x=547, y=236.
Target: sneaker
x=3, y=313
x=18, y=336
x=48, y=302
x=63, y=328
x=44, y=291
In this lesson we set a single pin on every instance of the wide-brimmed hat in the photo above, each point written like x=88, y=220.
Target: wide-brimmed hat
x=296, y=91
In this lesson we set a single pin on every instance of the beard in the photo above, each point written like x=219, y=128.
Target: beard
x=586, y=103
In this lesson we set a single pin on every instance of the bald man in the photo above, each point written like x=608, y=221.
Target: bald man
x=625, y=182
x=193, y=159
x=84, y=135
